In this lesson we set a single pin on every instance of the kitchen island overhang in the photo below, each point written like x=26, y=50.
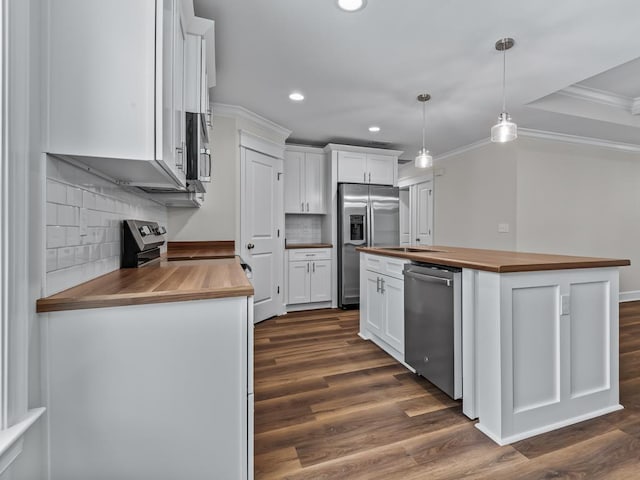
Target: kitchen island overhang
x=539, y=337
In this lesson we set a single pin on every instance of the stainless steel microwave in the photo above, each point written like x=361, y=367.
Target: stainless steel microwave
x=198, y=153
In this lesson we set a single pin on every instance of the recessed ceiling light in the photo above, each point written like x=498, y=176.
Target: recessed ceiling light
x=352, y=5
x=296, y=96
x=374, y=129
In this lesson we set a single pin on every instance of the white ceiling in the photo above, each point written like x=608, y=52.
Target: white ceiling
x=366, y=68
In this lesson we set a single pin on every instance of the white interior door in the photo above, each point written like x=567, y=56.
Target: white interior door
x=422, y=221
x=261, y=211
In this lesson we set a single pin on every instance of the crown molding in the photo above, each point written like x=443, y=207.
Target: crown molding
x=236, y=111
x=330, y=147
x=575, y=139
x=602, y=97
x=463, y=149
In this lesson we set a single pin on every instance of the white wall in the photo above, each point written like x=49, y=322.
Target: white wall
x=215, y=219
x=557, y=197
x=474, y=192
x=580, y=200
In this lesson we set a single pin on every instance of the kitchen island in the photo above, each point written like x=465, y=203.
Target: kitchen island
x=539, y=333
x=150, y=373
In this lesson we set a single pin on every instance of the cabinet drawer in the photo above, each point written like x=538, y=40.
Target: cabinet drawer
x=385, y=265
x=310, y=254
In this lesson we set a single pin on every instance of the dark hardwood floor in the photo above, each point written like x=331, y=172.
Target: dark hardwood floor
x=332, y=406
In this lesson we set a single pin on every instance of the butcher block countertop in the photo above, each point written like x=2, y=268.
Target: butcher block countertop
x=493, y=260
x=160, y=282
x=291, y=246
x=200, y=250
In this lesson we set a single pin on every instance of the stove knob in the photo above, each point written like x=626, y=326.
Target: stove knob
x=162, y=230
x=143, y=231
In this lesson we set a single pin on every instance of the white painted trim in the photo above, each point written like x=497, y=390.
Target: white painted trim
x=466, y=148
x=630, y=296
x=5, y=222
x=236, y=111
x=11, y=438
x=575, y=139
x=594, y=95
x=260, y=144
x=547, y=428
x=352, y=148
x=408, y=181
x=308, y=306
x=291, y=147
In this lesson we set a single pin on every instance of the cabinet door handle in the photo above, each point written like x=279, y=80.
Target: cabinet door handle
x=307, y=206
x=307, y=267
x=382, y=285
x=250, y=246
x=364, y=177
x=369, y=177
x=302, y=207
x=378, y=284
x=180, y=155
x=314, y=267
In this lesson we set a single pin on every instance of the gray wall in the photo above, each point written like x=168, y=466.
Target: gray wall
x=557, y=197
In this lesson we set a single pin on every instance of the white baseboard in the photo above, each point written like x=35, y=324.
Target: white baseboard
x=547, y=428
x=630, y=296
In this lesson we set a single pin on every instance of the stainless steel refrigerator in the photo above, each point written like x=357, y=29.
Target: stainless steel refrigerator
x=368, y=215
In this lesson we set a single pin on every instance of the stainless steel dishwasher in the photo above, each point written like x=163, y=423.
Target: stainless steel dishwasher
x=432, y=325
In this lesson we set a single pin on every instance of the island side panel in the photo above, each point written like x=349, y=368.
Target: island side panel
x=558, y=344
x=149, y=391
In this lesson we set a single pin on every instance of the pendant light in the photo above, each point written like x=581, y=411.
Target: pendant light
x=424, y=158
x=505, y=130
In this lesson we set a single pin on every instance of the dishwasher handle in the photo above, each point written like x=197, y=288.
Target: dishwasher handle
x=428, y=278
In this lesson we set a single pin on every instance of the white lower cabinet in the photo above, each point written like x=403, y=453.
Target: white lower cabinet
x=159, y=391
x=309, y=276
x=382, y=303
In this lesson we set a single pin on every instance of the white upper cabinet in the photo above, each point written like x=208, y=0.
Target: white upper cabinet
x=365, y=165
x=304, y=181
x=115, y=88
x=352, y=167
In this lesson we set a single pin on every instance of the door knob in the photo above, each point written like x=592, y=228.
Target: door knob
x=250, y=246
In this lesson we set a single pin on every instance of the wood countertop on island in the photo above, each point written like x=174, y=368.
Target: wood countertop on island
x=160, y=282
x=493, y=260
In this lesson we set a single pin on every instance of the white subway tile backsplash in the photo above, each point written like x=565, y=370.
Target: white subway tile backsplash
x=56, y=237
x=52, y=259
x=73, y=236
x=67, y=215
x=303, y=228
x=56, y=192
x=52, y=214
x=83, y=254
x=66, y=257
x=88, y=200
x=74, y=196
x=83, y=223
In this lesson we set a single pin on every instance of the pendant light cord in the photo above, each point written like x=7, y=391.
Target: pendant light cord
x=504, y=78
x=424, y=116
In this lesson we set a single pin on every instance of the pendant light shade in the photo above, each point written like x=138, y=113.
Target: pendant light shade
x=505, y=130
x=424, y=158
